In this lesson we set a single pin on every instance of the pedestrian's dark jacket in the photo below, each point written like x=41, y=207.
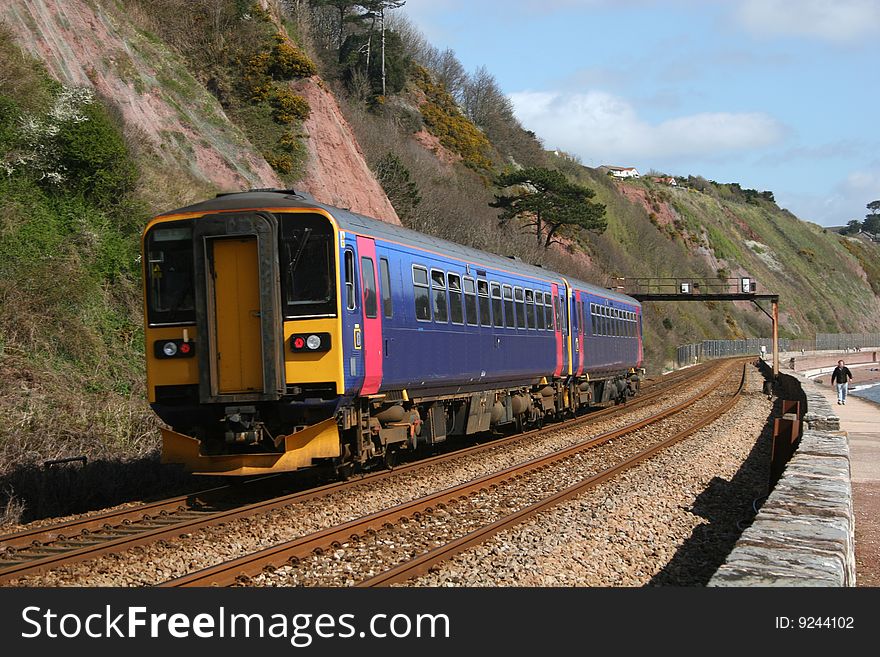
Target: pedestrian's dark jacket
x=841, y=375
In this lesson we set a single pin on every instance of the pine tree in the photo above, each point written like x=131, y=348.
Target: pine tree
x=872, y=221
x=546, y=202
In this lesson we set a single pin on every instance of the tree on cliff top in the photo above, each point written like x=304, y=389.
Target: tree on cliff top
x=872, y=221
x=546, y=202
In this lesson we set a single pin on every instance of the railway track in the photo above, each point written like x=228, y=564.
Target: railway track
x=41, y=549
x=372, y=536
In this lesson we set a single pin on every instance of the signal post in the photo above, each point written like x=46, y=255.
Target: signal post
x=706, y=289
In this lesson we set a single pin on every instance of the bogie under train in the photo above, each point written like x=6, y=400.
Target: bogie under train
x=282, y=333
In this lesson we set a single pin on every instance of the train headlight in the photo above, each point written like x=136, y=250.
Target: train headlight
x=174, y=349
x=310, y=342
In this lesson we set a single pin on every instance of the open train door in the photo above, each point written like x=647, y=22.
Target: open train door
x=372, y=322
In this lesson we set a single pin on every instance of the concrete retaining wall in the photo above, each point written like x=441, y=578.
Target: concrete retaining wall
x=803, y=535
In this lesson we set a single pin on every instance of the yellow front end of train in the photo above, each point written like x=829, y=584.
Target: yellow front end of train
x=243, y=338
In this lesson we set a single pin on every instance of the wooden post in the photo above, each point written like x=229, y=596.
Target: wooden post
x=775, y=305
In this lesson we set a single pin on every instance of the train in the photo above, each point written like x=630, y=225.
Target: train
x=282, y=334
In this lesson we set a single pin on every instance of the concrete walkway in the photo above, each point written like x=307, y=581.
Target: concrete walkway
x=861, y=420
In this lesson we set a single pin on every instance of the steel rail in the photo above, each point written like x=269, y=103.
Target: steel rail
x=71, y=528
x=129, y=539
x=228, y=572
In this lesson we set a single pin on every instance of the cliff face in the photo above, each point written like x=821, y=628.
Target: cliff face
x=177, y=123
x=85, y=44
x=337, y=172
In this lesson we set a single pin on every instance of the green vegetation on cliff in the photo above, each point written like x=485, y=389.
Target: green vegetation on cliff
x=71, y=352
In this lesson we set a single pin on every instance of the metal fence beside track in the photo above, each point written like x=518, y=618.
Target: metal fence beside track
x=690, y=354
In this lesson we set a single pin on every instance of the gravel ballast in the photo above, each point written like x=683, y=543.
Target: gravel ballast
x=156, y=563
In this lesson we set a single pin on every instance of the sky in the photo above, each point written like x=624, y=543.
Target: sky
x=779, y=95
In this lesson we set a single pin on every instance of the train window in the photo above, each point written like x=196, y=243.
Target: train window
x=368, y=274
x=548, y=311
x=169, y=274
x=483, y=293
x=385, y=284
x=420, y=293
x=556, y=314
x=509, y=319
x=349, y=280
x=308, y=267
x=530, y=309
x=539, y=310
x=470, y=301
x=455, y=315
x=497, y=312
x=438, y=287
x=520, y=308
x=563, y=314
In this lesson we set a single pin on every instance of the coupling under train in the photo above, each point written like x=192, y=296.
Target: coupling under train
x=282, y=333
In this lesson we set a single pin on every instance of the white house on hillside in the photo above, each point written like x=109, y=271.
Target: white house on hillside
x=621, y=172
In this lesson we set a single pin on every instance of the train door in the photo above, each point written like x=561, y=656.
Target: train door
x=639, y=336
x=557, y=327
x=574, y=328
x=238, y=307
x=372, y=332
x=581, y=328
x=237, y=313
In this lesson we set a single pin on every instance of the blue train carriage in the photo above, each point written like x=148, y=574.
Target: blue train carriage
x=282, y=333
x=606, y=337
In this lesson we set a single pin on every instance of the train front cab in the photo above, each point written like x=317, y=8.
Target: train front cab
x=243, y=337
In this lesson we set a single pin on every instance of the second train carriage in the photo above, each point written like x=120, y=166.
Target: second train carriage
x=282, y=332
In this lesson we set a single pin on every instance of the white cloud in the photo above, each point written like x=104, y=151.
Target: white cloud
x=600, y=126
x=865, y=181
x=845, y=202
x=839, y=21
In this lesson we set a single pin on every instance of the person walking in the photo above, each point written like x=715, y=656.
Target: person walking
x=841, y=377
